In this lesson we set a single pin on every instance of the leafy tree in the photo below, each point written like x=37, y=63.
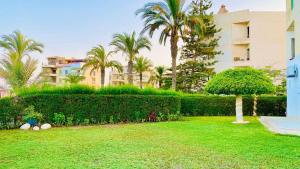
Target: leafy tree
x=98, y=59
x=199, y=51
x=74, y=78
x=130, y=45
x=171, y=18
x=240, y=81
x=159, y=75
x=142, y=65
x=13, y=68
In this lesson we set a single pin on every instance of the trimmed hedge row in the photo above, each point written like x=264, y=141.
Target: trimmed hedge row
x=126, y=108
x=225, y=105
x=96, y=108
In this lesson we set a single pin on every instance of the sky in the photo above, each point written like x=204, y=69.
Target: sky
x=72, y=27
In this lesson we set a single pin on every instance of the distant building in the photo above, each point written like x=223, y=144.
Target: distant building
x=250, y=38
x=293, y=28
x=116, y=78
x=58, y=68
x=3, y=92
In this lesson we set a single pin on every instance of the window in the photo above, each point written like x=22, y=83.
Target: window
x=293, y=52
x=248, y=32
x=292, y=4
x=248, y=54
x=66, y=72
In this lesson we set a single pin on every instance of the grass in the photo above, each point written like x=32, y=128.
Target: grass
x=201, y=142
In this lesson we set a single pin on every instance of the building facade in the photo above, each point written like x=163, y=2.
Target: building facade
x=58, y=68
x=293, y=57
x=116, y=78
x=249, y=38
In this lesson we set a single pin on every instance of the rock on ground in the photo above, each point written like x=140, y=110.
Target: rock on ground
x=25, y=126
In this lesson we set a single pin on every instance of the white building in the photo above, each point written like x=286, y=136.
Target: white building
x=250, y=38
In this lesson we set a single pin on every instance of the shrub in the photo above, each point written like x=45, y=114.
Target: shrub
x=271, y=105
x=69, y=121
x=59, y=119
x=31, y=116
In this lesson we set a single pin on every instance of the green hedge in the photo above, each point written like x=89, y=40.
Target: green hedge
x=225, y=105
x=99, y=108
x=95, y=108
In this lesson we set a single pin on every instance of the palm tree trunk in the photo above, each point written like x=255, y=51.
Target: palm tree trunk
x=159, y=83
x=141, y=80
x=174, y=51
x=130, y=69
x=102, y=77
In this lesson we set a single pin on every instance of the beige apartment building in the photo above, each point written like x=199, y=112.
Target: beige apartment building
x=249, y=38
x=116, y=78
x=58, y=68
x=293, y=28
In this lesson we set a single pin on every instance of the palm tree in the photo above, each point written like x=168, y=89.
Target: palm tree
x=130, y=45
x=173, y=21
x=13, y=69
x=142, y=65
x=74, y=78
x=159, y=73
x=98, y=59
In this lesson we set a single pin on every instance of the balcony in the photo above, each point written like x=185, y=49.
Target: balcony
x=241, y=41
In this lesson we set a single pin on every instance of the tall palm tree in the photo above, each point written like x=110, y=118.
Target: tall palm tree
x=173, y=21
x=159, y=73
x=74, y=78
x=98, y=59
x=13, y=69
x=142, y=65
x=130, y=45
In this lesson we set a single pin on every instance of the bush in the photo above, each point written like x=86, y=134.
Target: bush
x=271, y=105
x=70, y=121
x=225, y=105
x=59, y=119
x=31, y=116
x=98, y=109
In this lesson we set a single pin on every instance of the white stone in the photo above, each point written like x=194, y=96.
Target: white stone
x=25, y=126
x=46, y=126
x=36, y=128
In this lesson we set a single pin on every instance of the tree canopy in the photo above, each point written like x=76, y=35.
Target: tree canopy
x=241, y=81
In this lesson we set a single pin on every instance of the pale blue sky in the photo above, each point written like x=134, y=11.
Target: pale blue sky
x=71, y=27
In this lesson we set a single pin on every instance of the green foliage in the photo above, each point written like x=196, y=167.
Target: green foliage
x=81, y=89
x=59, y=119
x=225, y=105
x=18, y=67
x=70, y=121
x=30, y=113
x=99, y=59
x=130, y=45
x=72, y=89
x=98, y=109
x=272, y=105
x=74, y=78
x=86, y=122
x=174, y=117
x=198, y=52
x=142, y=65
x=240, y=81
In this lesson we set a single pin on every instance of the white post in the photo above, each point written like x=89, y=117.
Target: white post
x=239, y=111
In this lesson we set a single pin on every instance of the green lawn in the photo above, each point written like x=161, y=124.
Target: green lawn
x=202, y=142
